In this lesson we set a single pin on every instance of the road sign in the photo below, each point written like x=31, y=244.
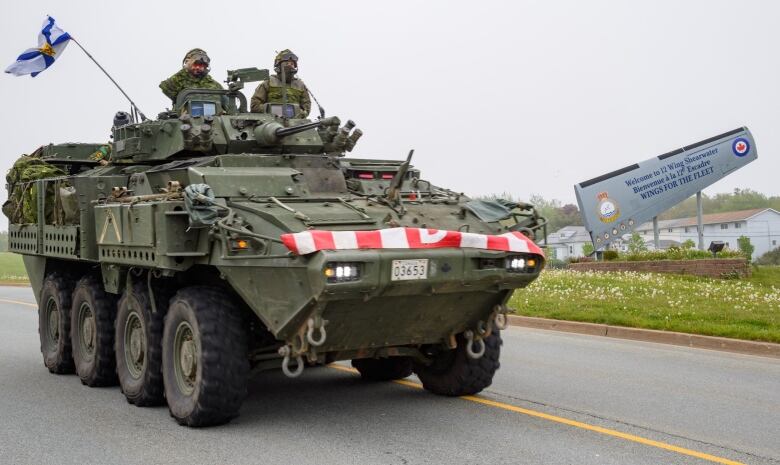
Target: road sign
x=615, y=203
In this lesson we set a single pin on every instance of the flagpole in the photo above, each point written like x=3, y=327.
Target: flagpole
x=134, y=106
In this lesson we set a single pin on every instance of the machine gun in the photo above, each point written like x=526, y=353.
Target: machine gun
x=236, y=78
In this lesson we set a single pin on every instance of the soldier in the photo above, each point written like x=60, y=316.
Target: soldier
x=272, y=90
x=193, y=75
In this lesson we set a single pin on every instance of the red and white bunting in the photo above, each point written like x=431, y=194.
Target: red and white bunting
x=307, y=242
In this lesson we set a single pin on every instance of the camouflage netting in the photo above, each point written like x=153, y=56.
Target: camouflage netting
x=22, y=204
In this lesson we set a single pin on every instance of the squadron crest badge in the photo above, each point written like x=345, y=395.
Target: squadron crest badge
x=608, y=208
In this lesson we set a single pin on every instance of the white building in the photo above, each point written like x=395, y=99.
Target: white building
x=760, y=225
x=567, y=242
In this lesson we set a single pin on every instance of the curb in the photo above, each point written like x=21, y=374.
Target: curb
x=764, y=349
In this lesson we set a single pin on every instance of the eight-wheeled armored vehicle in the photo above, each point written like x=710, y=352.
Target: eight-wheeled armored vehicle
x=218, y=243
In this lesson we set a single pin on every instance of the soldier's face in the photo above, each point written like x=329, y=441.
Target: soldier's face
x=198, y=68
x=290, y=65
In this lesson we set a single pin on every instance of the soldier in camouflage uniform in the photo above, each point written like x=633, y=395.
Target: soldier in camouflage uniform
x=193, y=75
x=272, y=90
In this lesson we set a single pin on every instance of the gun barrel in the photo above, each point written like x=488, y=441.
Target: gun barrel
x=284, y=132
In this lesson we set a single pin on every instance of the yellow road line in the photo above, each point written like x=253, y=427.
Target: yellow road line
x=10, y=301
x=574, y=423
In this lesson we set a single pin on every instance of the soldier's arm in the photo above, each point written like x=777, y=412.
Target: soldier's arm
x=259, y=97
x=169, y=88
x=305, y=103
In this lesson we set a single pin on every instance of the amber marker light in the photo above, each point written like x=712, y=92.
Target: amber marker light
x=531, y=263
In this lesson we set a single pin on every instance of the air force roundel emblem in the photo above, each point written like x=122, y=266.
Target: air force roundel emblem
x=741, y=147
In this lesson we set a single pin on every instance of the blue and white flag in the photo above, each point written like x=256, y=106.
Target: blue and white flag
x=51, y=43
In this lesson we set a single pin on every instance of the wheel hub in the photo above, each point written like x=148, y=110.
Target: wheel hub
x=186, y=358
x=135, y=345
x=88, y=331
x=54, y=324
x=188, y=363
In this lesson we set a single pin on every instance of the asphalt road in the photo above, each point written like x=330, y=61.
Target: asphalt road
x=558, y=399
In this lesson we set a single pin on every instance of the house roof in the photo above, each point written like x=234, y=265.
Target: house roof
x=568, y=235
x=712, y=218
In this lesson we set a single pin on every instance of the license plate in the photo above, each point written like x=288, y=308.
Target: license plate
x=404, y=270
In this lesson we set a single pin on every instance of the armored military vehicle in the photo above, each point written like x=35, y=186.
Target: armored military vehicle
x=218, y=243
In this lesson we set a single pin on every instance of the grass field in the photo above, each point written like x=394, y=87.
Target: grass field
x=743, y=309
x=11, y=268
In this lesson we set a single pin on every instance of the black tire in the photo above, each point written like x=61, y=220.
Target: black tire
x=54, y=324
x=92, y=317
x=453, y=373
x=205, y=363
x=383, y=369
x=138, y=347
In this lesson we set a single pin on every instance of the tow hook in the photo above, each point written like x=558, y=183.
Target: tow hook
x=286, y=352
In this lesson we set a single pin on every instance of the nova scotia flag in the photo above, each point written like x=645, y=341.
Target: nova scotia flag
x=51, y=42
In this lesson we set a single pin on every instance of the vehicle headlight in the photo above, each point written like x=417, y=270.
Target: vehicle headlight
x=520, y=264
x=338, y=272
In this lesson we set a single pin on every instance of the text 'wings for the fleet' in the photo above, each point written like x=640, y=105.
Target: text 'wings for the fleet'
x=613, y=204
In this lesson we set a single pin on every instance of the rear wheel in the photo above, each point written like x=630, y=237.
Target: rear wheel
x=92, y=333
x=453, y=373
x=54, y=323
x=205, y=364
x=383, y=369
x=138, y=335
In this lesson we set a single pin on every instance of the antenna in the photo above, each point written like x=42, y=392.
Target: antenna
x=133, y=106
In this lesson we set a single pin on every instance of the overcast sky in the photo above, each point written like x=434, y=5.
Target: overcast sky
x=520, y=97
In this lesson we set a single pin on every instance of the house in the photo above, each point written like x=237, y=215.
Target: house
x=760, y=225
x=567, y=242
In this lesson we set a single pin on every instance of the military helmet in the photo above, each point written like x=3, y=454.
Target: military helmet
x=196, y=55
x=285, y=55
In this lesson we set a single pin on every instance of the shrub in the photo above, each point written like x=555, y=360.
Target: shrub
x=746, y=247
x=688, y=244
x=555, y=264
x=610, y=255
x=587, y=249
x=679, y=254
x=636, y=244
x=770, y=258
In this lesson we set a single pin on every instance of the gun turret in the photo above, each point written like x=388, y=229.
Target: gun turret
x=271, y=133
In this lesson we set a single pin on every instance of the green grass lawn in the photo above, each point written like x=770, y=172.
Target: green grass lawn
x=743, y=309
x=12, y=268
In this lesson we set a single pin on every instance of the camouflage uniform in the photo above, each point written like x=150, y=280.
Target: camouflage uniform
x=271, y=91
x=102, y=155
x=184, y=80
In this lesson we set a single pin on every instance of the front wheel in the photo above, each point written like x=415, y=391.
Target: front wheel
x=454, y=373
x=205, y=363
